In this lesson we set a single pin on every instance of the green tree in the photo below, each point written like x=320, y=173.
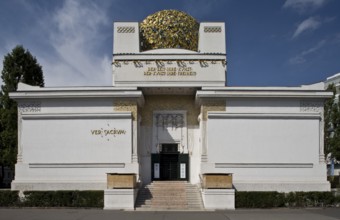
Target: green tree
x=332, y=125
x=18, y=66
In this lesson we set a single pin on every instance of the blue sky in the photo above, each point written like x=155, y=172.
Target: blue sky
x=269, y=42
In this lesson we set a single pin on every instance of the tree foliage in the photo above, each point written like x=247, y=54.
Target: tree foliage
x=18, y=66
x=332, y=125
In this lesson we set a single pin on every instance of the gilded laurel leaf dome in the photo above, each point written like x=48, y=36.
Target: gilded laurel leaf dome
x=169, y=29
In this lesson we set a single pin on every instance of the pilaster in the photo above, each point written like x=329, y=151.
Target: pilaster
x=206, y=107
x=130, y=106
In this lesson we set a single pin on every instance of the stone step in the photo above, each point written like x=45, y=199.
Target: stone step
x=170, y=207
x=169, y=195
x=150, y=203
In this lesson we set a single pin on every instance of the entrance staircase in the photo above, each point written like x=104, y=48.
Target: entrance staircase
x=169, y=195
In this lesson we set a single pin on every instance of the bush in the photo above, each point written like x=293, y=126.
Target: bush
x=259, y=200
x=292, y=199
x=9, y=198
x=310, y=199
x=64, y=199
x=337, y=200
x=52, y=199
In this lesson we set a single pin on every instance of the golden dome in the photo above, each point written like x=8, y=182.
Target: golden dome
x=169, y=29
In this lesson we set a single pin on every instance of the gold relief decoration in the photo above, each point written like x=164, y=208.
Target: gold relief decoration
x=169, y=102
x=159, y=63
x=204, y=64
x=117, y=64
x=162, y=63
x=138, y=64
x=213, y=105
x=169, y=29
x=126, y=106
x=181, y=63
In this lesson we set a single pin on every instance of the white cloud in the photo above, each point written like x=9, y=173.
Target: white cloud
x=74, y=34
x=301, y=57
x=310, y=24
x=304, y=5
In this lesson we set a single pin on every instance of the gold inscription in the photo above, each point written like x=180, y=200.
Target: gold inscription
x=169, y=71
x=103, y=132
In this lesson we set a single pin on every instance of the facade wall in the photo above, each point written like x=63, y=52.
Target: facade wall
x=84, y=140
x=268, y=144
x=263, y=140
x=72, y=144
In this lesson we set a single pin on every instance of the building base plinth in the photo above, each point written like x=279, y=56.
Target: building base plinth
x=119, y=199
x=218, y=198
x=286, y=187
x=57, y=185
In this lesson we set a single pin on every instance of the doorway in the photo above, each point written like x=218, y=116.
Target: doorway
x=169, y=164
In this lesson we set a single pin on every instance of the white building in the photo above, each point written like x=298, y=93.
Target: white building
x=169, y=116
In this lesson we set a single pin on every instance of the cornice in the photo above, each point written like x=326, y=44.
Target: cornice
x=264, y=93
x=69, y=94
x=169, y=56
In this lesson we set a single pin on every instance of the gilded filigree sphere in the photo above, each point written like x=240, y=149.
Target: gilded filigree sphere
x=169, y=29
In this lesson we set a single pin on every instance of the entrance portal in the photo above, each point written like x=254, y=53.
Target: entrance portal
x=169, y=164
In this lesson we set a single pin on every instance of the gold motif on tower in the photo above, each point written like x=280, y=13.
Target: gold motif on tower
x=169, y=29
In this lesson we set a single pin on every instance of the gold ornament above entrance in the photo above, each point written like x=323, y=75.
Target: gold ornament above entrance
x=169, y=103
x=126, y=106
x=165, y=63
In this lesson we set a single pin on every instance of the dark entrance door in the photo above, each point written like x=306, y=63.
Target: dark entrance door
x=169, y=164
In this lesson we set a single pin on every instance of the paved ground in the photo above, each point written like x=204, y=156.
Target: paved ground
x=97, y=214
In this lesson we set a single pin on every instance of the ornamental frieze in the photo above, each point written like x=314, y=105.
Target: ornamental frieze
x=213, y=29
x=126, y=29
x=164, y=63
x=173, y=121
x=29, y=107
x=308, y=106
